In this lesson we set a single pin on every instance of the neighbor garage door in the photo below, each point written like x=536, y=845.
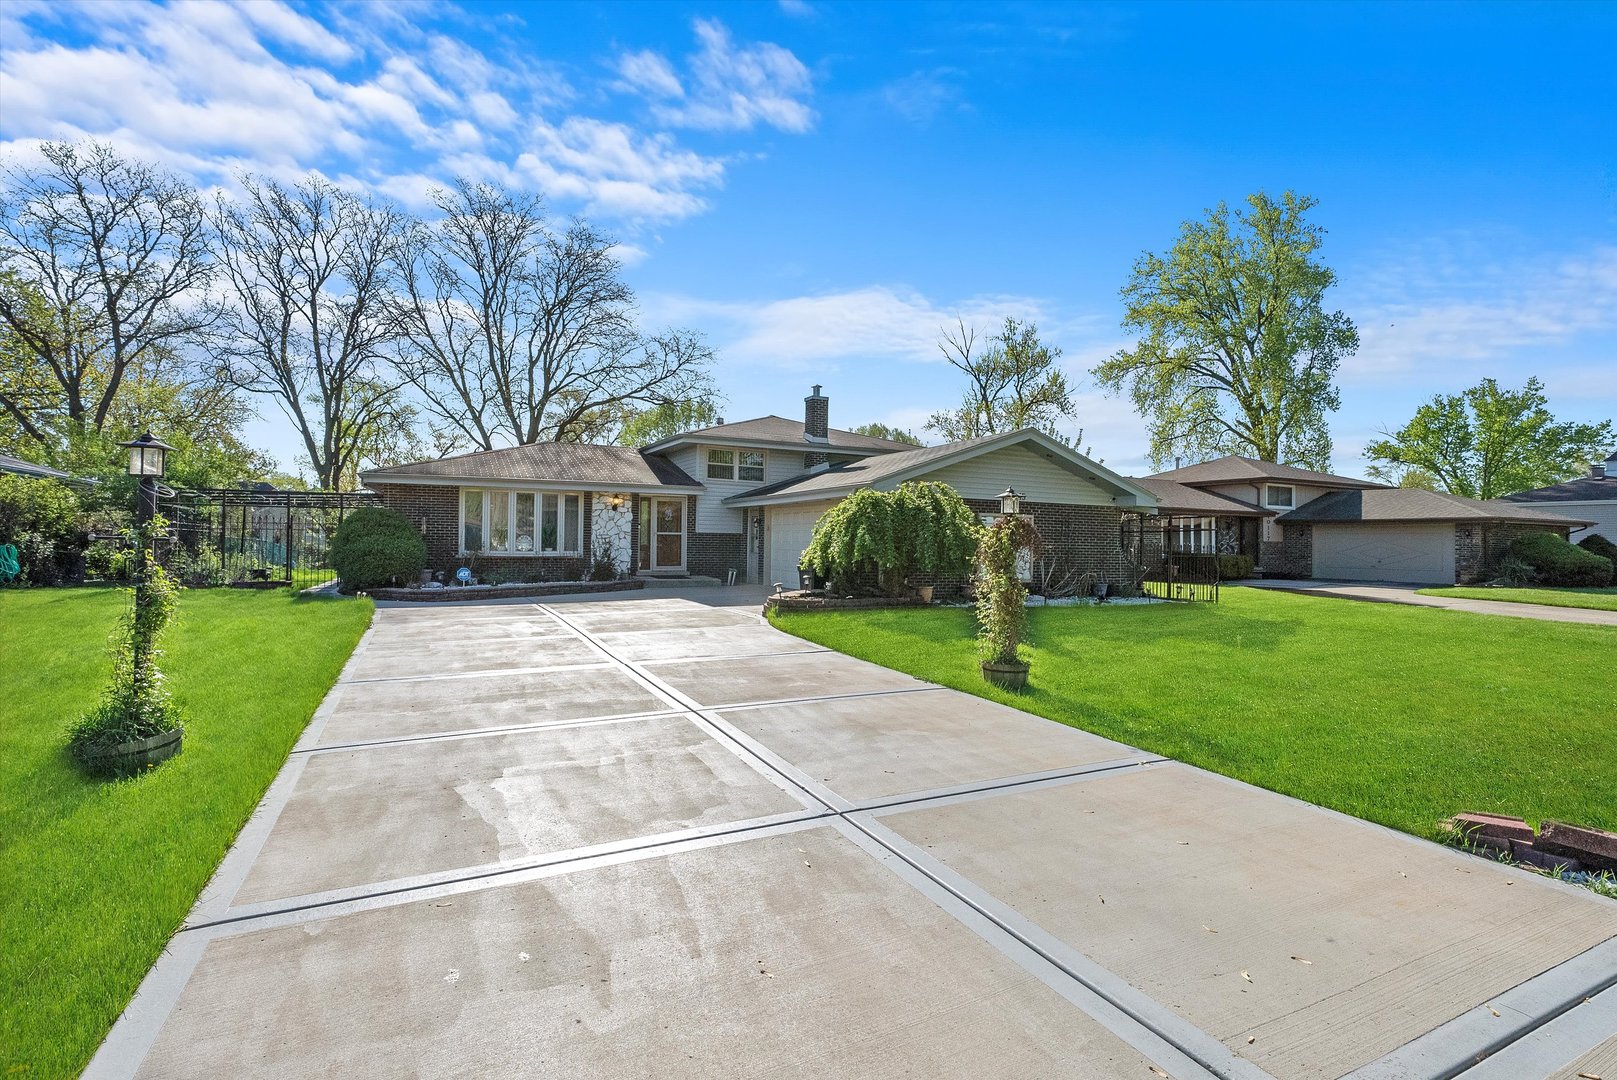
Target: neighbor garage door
x=790, y=528
x=1412, y=553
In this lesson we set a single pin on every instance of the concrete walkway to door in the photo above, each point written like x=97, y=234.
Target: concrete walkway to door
x=1386, y=592
x=652, y=836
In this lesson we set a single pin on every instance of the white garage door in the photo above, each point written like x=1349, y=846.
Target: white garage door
x=790, y=528
x=1412, y=553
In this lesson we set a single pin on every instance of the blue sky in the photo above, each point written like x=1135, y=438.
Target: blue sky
x=819, y=187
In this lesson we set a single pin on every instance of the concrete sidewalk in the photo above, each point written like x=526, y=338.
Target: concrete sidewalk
x=652, y=836
x=1394, y=593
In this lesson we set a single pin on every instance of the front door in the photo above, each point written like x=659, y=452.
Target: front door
x=668, y=535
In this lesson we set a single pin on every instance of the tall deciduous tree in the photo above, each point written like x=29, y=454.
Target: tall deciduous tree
x=106, y=263
x=309, y=326
x=670, y=418
x=887, y=431
x=1013, y=381
x=1487, y=442
x=516, y=332
x=1237, y=353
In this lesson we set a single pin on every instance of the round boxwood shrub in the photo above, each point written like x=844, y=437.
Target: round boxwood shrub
x=375, y=546
x=1557, y=562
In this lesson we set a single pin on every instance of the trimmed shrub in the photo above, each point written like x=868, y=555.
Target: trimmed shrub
x=1234, y=567
x=376, y=546
x=1599, y=545
x=1557, y=562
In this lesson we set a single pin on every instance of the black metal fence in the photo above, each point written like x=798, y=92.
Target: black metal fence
x=254, y=538
x=1169, y=561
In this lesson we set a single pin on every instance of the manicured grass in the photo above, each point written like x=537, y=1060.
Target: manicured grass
x=1601, y=599
x=98, y=875
x=1401, y=715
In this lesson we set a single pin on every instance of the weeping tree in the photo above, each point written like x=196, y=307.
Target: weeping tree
x=920, y=528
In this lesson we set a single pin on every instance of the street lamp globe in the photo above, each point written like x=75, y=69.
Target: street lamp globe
x=146, y=456
x=1010, y=502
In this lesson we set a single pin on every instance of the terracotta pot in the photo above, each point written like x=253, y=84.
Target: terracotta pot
x=1009, y=676
x=925, y=593
x=136, y=754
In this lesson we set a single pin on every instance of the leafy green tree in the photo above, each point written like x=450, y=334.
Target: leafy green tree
x=1237, y=353
x=646, y=426
x=921, y=527
x=1015, y=381
x=1486, y=442
x=886, y=431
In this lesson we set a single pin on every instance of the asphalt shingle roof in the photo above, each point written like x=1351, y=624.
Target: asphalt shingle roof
x=1235, y=469
x=1583, y=489
x=1176, y=498
x=1414, y=505
x=28, y=468
x=856, y=474
x=779, y=431
x=568, y=463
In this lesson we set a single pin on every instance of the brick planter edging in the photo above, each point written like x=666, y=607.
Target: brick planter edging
x=1557, y=844
x=502, y=592
x=800, y=601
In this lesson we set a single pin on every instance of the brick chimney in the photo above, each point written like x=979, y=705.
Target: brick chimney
x=816, y=426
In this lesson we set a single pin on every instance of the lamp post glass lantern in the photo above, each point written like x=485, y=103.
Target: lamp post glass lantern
x=1010, y=502
x=148, y=458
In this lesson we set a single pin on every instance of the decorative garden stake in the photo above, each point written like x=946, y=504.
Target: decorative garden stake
x=1002, y=599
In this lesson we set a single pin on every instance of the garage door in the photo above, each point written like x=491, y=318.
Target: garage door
x=1412, y=553
x=790, y=528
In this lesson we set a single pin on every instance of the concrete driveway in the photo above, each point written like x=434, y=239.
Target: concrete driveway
x=1390, y=592
x=652, y=836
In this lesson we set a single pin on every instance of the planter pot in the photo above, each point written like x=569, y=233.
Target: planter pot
x=925, y=593
x=1009, y=676
x=136, y=754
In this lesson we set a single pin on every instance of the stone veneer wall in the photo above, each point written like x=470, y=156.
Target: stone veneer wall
x=614, y=529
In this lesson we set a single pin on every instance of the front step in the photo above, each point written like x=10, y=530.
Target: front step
x=665, y=581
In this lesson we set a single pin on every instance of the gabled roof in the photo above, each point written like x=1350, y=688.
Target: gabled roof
x=1235, y=469
x=28, y=468
x=1176, y=498
x=1408, y=505
x=890, y=470
x=580, y=464
x=779, y=431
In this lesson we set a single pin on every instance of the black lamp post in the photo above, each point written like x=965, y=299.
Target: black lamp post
x=147, y=459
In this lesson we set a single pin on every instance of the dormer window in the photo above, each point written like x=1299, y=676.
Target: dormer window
x=1279, y=496
x=745, y=465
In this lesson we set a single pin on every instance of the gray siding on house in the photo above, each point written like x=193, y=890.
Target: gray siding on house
x=712, y=516
x=1036, y=477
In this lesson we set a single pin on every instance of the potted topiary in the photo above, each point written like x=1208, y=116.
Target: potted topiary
x=1002, y=601
x=136, y=724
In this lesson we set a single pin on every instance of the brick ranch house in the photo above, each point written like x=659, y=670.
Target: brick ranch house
x=742, y=496
x=1303, y=524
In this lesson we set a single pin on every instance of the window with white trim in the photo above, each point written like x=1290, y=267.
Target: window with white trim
x=750, y=466
x=1278, y=495
x=1193, y=536
x=721, y=464
x=497, y=521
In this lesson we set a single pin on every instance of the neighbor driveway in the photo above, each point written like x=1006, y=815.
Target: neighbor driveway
x=652, y=836
x=1388, y=592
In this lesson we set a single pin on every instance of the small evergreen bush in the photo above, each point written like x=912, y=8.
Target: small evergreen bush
x=1599, y=545
x=1234, y=567
x=1557, y=562
x=376, y=546
x=603, y=567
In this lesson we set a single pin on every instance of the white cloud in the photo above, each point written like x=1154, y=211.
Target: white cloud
x=1437, y=318
x=919, y=96
x=212, y=89
x=798, y=9
x=729, y=87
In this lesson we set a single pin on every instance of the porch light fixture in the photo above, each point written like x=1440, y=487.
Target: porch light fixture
x=615, y=501
x=1010, y=502
x=146, y=455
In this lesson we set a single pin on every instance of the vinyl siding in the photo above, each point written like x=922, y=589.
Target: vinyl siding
x=712, y=516
x=1602, y=512
x=1036, y=477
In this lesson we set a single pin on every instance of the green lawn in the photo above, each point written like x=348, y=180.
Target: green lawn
x=1601, y=599
x=98, y=875
x=1398, y=714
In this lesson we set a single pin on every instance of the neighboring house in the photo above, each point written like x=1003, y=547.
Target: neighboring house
x=1407, y=535
x=17, y=465
x=742, y=497
x=1593, y=496
x=1229, y=506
